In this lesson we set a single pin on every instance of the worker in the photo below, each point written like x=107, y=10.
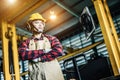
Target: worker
x=41, y=50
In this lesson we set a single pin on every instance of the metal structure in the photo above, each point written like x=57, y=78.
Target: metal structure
x=109, y=34
x=8, y=32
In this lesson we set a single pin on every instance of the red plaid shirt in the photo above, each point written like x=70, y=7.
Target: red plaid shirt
x=26, y=54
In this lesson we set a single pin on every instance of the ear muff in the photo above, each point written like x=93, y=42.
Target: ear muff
x=28, y=26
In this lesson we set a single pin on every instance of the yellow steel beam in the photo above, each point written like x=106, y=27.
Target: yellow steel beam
x=79, y=51
x=21, y=38
x=112, y=27
x=15, y=52
x=109, y=34
x=9, y=34
x=5, y=54
x=18, y=7
x=27, y=11
x=24, y=73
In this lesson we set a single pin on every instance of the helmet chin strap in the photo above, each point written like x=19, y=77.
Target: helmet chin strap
x=35, y=30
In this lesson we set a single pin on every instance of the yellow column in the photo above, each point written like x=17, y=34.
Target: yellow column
x=9, y=33
x=5, y=53
x=109, y=34
x=112, y=27
x=15, y=52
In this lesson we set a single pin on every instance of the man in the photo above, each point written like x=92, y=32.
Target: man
x=41, y=50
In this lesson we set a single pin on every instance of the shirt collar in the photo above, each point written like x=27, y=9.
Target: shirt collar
x=41, y=38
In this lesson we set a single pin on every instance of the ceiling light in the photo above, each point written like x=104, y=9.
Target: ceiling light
x=52, y=15
x=11, y=1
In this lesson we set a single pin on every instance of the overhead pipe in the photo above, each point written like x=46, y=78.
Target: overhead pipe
x=66, y=8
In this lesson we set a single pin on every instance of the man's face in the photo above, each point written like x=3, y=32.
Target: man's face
x=38, y=25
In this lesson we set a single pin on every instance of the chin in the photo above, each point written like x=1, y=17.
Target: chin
x=38, y=32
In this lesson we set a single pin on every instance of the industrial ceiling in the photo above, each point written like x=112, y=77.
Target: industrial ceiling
x=67, y=11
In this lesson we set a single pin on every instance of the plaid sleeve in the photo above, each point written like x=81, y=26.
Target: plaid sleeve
x=55, y=52
x=26, y=54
